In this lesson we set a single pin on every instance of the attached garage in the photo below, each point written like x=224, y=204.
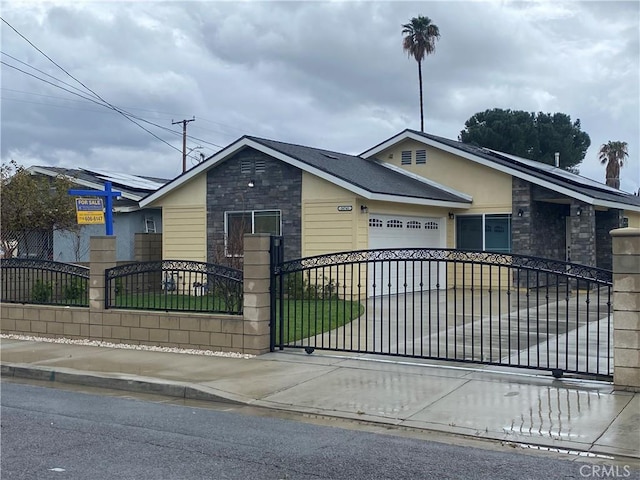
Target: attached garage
x=399, y=232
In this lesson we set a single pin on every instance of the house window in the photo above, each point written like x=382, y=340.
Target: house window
x=421, y=157
x=405, y=159
x=236, y=224
x=490, y=233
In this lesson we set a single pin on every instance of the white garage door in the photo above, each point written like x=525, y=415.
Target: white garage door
x=398, y=232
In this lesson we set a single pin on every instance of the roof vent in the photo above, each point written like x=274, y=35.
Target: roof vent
x=557, y=158
x=330, y=156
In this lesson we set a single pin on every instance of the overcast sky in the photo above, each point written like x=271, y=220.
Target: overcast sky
x=324, y=74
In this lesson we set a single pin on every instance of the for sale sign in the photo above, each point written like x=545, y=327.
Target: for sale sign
x=89, y=211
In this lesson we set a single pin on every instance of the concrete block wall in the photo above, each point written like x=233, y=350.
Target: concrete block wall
x=248, y=333
x=626, y=308
x=147, y=247
x=165, y=329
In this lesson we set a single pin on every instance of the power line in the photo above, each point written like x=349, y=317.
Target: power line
x=191, y=137
x=105, y=104
x=127, y=115
x=87, y=88
x=124, y=109
x=41, y=71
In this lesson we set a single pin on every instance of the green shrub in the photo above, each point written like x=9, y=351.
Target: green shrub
x=41, y=292
x=296, y=286
x=75, y=290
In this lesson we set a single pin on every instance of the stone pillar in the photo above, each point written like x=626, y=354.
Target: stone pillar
x=626, y=308
x=257, y=298
x=521, y=217
x=102, y=255
x=583, y=232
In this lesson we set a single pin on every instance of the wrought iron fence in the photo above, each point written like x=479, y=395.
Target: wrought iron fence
x=44, y=282
x=178, y=285
x=466, y=306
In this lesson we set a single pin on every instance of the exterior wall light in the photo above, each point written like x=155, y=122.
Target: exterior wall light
x=451, y=215
x=520, y=212
x=364, y=208
x=251, y=184
x=579, y=211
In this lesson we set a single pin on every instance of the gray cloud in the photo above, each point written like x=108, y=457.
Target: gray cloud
x=324, y=74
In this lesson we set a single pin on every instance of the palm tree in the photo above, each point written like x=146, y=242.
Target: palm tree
x=613, y=154
x=419, y=41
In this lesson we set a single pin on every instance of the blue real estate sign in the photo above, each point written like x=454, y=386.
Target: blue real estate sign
x=89, y=211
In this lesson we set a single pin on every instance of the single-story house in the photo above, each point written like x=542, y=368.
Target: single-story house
x=128, y=217
x=412, y=190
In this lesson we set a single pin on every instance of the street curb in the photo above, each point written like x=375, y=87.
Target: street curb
x=137, y=385
x=181, y=390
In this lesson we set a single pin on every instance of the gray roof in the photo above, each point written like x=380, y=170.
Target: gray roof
x=542, y=171
x=369, y=175
x=131, y=185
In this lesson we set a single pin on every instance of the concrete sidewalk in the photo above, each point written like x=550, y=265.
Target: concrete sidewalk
x=482, y=402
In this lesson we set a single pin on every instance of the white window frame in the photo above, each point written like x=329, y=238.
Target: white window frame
x=484, y=227
x=253, y=224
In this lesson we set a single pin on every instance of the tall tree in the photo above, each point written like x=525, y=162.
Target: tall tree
x=529, y=135
x=419, y=41
x=32, y=205
x=614, y=155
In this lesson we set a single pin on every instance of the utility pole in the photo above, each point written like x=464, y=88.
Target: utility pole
x=184, y=141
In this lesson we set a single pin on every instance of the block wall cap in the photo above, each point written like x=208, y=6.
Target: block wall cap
x=625, y=232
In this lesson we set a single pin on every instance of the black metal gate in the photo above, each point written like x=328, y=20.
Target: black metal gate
x=445, y=304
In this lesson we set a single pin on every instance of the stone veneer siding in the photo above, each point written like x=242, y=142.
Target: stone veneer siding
x=279, y=187
x=540, y=231
x=605, y=222
x=583, y=230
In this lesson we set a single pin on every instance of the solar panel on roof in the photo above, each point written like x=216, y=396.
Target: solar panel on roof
x=127, y=180
x=557, y=171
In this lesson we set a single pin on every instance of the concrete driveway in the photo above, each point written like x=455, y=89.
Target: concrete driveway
x=530, y=329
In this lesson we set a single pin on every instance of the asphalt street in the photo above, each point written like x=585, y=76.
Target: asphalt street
x=50, y=433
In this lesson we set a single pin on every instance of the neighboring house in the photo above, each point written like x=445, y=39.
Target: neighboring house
x=413, y=190
x=128, y=217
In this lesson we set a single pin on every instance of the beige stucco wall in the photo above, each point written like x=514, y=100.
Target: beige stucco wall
x=325, y=229
x=490, y=189
x=194, y=192
x=184, y=221
x=634, y=218
x=185, y=233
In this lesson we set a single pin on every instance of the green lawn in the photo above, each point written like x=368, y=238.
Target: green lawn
x=307, y=318
x=170, y=301
x=302, y=318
